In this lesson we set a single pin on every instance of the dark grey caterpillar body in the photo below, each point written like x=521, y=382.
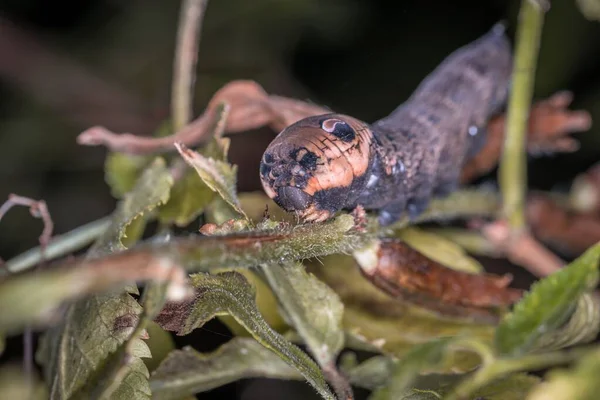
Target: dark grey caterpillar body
x=326, y=163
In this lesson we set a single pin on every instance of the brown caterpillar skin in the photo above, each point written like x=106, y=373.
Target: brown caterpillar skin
x=322, y=164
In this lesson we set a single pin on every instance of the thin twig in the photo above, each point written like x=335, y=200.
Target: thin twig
x=513, y=171
x=38, y=209
x=522, y=249
x=186, y=56
x=59, y=246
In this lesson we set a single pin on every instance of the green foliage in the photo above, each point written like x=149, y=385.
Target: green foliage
x=230, y=293
x=418, y=359
x=122, y=171
x=151, y=189
x=218, y=175
x=190, y=195
x=514, y=387
x=378, y=322
x=186, y=372
x=98, y=331
x=548, y=305
x=581, y=382
x=189, y=198
x=298, y=292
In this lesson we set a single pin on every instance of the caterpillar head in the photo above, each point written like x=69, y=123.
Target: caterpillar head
x=313, y=166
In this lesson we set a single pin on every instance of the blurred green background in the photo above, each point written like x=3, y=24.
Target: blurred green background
x=66, y=65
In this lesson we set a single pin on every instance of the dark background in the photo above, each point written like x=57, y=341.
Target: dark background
x=66, y=65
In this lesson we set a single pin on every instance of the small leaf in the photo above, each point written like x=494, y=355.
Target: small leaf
x=311, y=307
x=583, y=326
x=370, y=374
x=220, y=176
x=581, y=382
x=93, y=329
x=122, y=171
x=548, y=305
x=125, y=363
x=160, y=343
x=440, y=249
x=418, y=360
x=190, y=195
x=230, y=293
x=266, y=303
x=151, y=189
x=435, y=387
x=187, y=372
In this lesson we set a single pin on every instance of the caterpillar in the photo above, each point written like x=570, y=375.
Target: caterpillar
x=323, y=164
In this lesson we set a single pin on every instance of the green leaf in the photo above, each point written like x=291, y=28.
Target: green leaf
x=186, y=372
x=266, y=303
x=439, y=249
x=160, y=343
x=230, y=293
x=513, y=387
x=72, y=352
x=581, y=382
x=418, y=360
x=122, y=171
x=370, y=374
x=315, y=311
x=94, y=329
x=311, y=307
x=548, y=305
x=151, y=189
x=190, y=195
x=583, y=326
x=125, y=363
x=218, y=175
x=375, y=321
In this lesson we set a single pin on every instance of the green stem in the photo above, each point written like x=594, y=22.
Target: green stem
x=59, y=246
x=513, y=170
x=186, y=56
x=504, y=367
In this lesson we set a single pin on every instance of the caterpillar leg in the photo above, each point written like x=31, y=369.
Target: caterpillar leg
x=391, y=213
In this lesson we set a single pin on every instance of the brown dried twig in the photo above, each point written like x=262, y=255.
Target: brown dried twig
x=522, y=249
x=550, y=121
x=38, y=209
x=251, y=108
x=568, y=231
x=404, y=273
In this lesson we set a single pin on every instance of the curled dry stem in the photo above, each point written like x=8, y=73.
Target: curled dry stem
x=38, y=209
